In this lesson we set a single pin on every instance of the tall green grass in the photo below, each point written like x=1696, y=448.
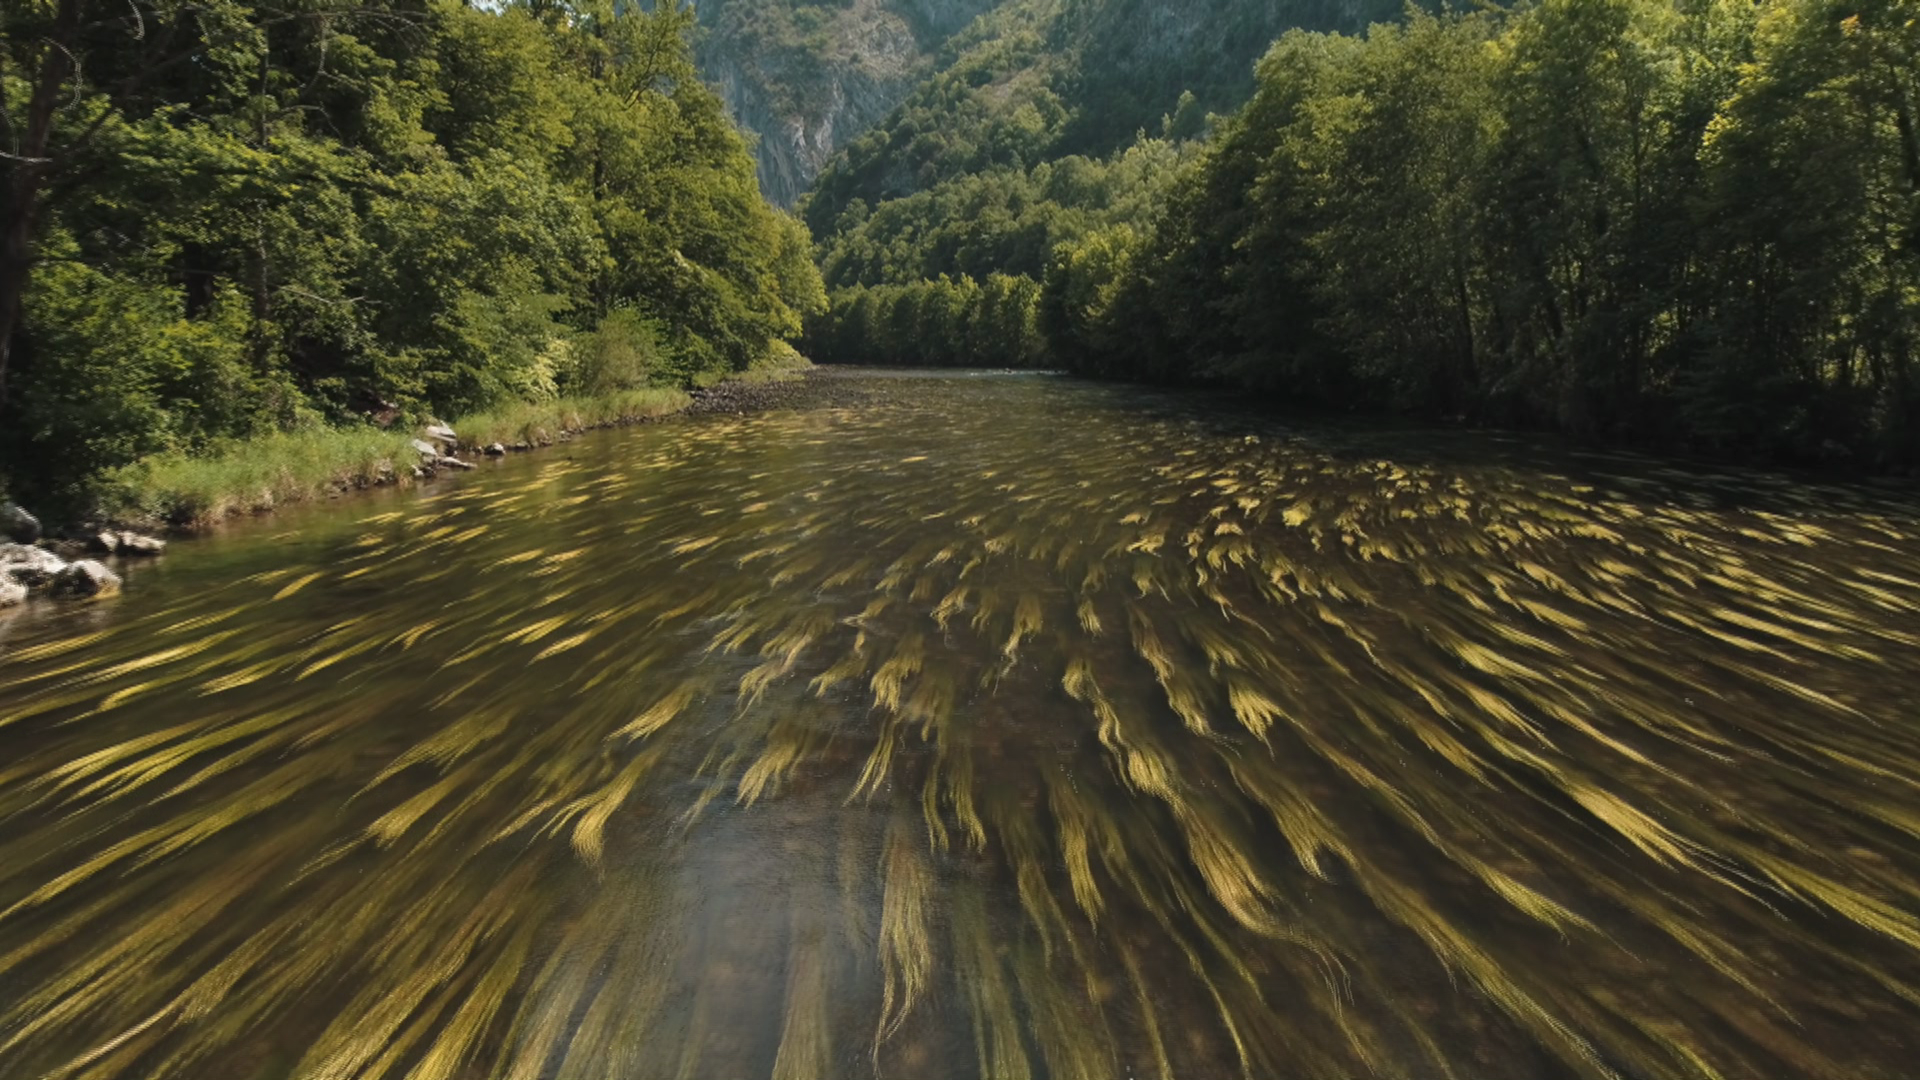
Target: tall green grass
x=540, y=423
x=185, y=491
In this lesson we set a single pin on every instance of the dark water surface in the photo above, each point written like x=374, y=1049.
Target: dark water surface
x=994, y=727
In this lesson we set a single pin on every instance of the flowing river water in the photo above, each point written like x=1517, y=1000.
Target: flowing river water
x=984, y=727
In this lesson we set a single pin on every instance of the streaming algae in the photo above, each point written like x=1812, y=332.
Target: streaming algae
x=993, y=728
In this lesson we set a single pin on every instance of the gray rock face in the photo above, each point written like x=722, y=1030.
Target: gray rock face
x=105, y=543
x=496, y=450
x=805, y=104
x=18, y=525
x=11, y=593
x=85, y=580
x=442, y=434
x=30, y=567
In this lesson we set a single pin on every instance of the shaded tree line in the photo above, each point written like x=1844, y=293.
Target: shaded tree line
x=1688, y=224
x=1691, y=224
x=947, y=322
x=951, y=276
x=229, y=217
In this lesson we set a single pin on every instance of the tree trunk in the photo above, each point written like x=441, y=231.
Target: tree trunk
x=16, y=261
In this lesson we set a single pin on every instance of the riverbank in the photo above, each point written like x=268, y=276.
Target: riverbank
x=184, y=494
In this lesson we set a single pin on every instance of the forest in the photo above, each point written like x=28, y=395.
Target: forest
x=229, y=218
x=1687, y=225
x=1690, y=226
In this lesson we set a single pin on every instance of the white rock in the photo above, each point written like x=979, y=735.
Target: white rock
x=136, y=544
x=29, y=566
x=442, y=433
x=86, y=579
x=11, y=592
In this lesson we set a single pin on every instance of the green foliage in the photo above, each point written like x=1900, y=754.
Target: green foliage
x=623, y=353
x=1033, y=81
x=1030, y=140
x=538, y=423
x=118, y=373
x=1002, y=221
x=332, y=209
x=947, y=322
x=1691, y=225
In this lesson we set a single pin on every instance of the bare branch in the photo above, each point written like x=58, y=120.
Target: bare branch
x=75, y=61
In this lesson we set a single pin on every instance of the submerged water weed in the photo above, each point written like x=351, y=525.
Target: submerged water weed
x=985, y=732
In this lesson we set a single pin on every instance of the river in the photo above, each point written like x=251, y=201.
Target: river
x=1000, y=727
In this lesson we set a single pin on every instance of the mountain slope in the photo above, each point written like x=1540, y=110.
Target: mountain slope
x=805, y=78
x=1037, y=80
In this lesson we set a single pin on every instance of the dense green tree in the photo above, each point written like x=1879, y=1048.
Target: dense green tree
x=1686, y=224
x=226, y=218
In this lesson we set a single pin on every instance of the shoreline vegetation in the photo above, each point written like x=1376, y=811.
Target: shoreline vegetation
x=186, y=494
x=1680, y=228
x=248, y=250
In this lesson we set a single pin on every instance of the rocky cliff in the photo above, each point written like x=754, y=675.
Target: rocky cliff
x=806, y=78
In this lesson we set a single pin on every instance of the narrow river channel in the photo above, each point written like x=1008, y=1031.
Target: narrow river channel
x=984, y=728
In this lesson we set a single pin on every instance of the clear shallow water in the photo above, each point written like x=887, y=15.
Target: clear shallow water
x=992, y=727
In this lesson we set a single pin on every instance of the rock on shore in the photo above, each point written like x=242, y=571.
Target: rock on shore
x=126, y=543
x=18, y=525
x=85, y=579
x=27, y=566
x=813, y=388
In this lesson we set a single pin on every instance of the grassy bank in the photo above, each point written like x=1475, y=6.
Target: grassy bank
x=194, y=492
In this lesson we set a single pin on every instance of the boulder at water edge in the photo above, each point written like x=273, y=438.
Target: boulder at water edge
x=136, y=544
x=11, y=593
x=125, y=543
x=28, y=566
x=442, y=433
x=18, y=525
x=85, y=579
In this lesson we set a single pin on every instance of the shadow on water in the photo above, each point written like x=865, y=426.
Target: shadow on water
x=985, y=728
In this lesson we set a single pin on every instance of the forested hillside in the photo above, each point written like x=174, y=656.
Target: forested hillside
x=1688, y=224
x=1037, y=80
x=226, y=219
x=1049, y=121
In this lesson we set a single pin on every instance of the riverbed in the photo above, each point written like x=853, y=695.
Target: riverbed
x=985, y=727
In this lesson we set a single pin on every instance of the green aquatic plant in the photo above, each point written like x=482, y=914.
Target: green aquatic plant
x=808, y=745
